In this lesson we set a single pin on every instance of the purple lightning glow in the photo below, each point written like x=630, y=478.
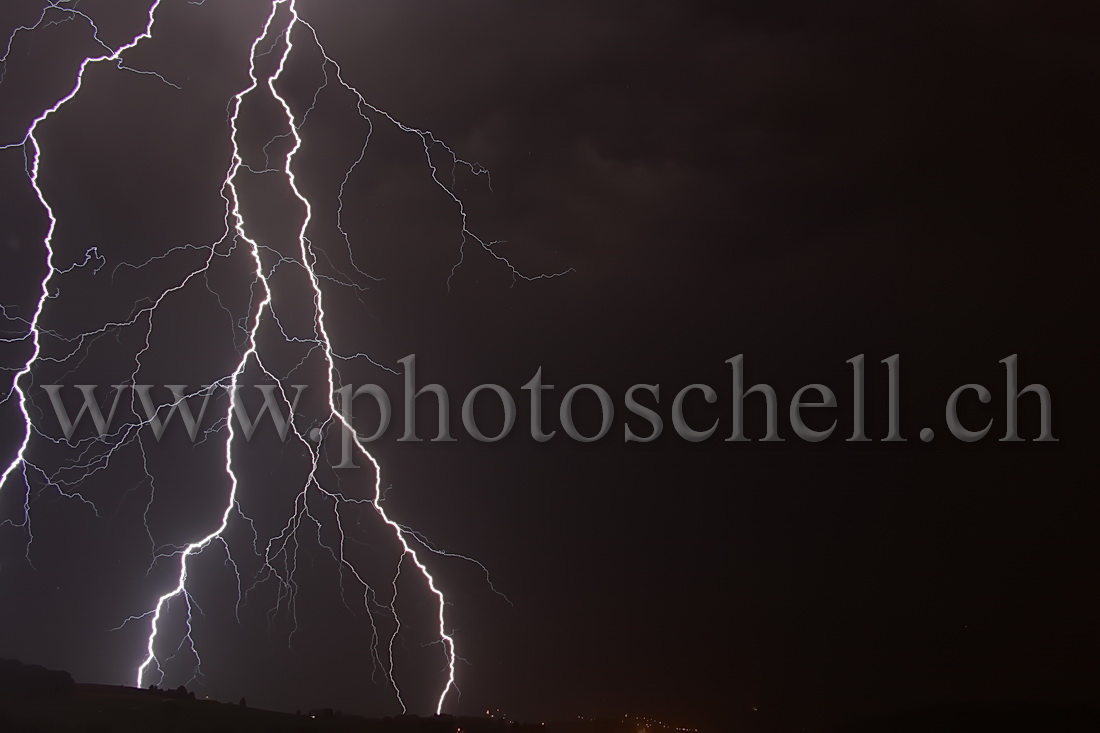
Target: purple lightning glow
x=283, y=28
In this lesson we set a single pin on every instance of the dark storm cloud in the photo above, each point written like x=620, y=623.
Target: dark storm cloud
x=697, y=122
x=805, y=183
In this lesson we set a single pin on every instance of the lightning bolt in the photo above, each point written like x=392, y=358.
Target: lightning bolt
x=283, y=31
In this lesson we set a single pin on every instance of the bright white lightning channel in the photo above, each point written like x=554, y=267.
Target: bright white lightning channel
x=282, y=28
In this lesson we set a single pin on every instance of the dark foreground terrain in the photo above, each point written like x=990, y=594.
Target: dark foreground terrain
x=38, y=700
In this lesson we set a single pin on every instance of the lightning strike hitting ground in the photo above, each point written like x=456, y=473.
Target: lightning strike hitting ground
x=283, y=31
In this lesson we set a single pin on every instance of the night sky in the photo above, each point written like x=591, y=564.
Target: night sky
x=796, y=182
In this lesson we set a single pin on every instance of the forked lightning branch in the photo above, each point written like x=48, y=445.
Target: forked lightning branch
x=283, y=31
